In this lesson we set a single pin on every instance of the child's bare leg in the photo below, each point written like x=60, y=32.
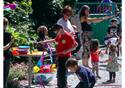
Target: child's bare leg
x=97, y=71
x=114, y=76
x=84, y=62
x=93, y=67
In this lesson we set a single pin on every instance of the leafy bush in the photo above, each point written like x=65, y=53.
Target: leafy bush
x=72, y=3
x=23, y=37
x=20, y=25
x=17, y=72
x=20, y=14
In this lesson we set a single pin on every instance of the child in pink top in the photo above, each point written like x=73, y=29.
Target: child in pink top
x=94, y=46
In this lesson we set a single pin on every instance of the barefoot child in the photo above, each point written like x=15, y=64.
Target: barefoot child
x=94, y=50
x=85, y=75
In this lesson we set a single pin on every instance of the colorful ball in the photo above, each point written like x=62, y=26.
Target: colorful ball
x=45, y=69
x=36, y=69
x=53, y=68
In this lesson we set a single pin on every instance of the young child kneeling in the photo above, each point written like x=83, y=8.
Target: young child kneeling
x=85, y=75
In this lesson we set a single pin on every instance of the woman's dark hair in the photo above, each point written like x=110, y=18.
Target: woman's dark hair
x=71, y=62
x=41, y=32
x=82, y=11
x=67, y=9
x=94, y=45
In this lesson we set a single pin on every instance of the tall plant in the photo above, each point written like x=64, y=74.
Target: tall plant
x=19, y=23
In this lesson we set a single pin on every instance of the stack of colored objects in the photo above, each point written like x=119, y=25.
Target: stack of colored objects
x=20, y=50
x=45, y=68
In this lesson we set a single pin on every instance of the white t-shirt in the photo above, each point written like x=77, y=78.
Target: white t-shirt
x=66, y=25
x=112, y=40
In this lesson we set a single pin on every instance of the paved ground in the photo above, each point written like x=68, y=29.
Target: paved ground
x=73, y=80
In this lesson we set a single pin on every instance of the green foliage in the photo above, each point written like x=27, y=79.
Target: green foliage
x=46, y=12
x=18, y=71
x=20, y=25
x=22, y=37
x=20, y=14
x=72, y=3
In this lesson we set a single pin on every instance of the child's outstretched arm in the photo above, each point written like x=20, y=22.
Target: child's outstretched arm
x=47, y=41
x=95, y=20
x=107, y=60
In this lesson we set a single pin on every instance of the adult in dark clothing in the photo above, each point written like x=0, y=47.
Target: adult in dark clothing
x=87, y=31
x=85, y=75
x=7, y=53
x=113, y=31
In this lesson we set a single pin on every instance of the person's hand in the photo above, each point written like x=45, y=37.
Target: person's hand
x=74, y=26
x=107, y=17
x=72, y=33
x=42, y=42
